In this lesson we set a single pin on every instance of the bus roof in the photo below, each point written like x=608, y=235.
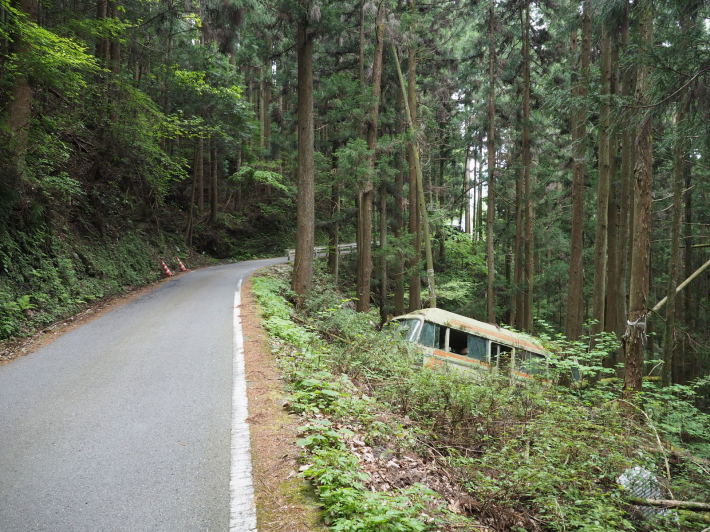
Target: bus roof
x=480, y=328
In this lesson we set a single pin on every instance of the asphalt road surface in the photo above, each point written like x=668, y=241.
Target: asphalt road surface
x=125, y=423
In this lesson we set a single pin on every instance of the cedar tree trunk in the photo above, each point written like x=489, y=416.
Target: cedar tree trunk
x=305, y=209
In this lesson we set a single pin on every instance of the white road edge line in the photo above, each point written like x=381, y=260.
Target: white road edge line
x=242, y=512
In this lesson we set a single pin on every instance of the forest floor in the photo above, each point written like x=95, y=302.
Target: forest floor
x=283, y=498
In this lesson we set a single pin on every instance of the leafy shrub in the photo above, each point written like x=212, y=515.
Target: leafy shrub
x=316, y=391
x=547, y=455
x=45, y=276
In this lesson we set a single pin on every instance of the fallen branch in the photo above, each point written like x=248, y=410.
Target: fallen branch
x=692, y=506
x=682, y=285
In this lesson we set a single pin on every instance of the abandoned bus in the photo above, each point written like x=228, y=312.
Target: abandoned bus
x=463, y=343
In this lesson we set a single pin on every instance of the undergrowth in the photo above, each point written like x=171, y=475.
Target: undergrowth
x=531, y=456
x=46, y=275
x=318, y=394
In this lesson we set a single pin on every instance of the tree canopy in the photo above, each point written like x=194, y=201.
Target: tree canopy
x=541, y=128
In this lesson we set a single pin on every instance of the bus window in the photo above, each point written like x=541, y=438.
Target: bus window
x=476, y=348
x=431, y=335
x=409, y=329
x=458, y=343
x=529, y=363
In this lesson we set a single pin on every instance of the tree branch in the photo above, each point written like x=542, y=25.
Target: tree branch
x=682, y=285
x=671, y=95
x=692, y=506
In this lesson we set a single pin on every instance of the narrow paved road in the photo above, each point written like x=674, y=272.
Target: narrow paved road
x=124, y=423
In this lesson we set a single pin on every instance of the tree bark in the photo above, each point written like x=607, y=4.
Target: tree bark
x=614, y=305
x=600, y=239
x=364, y=273
x=214, y=178
x=305, y=208
x=527, y=323
x=399, y=222
x=491, y=153
x=334, y=233
x=114, y=45
x=266, y=105
x=683, y=313
x=420, y=190
x=467, y=187
x=398, y=231
x=679, y=150
x=383, y=253
x=580, y=89
x=438, y=188
x=415, y=297
x=669, y=503
x=517, y=291
x=19, y=111
x=627, y=178
x=688, y=244
x=102, y=46
x=635, y=337
x=479, y=205
x=361, y=46
x=191, y=213
x=200, y=174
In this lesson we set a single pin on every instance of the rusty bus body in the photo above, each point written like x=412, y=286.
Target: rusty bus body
x=453, y=341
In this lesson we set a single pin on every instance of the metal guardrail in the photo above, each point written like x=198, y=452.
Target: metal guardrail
x=322, y=251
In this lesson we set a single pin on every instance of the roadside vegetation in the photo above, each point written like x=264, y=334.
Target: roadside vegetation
x=49, y=274
x=390, y=445
x=223, y=125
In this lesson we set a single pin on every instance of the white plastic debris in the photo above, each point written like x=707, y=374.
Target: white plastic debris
x=642, y=483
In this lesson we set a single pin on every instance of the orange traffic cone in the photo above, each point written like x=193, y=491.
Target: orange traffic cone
x=165, y=268
x=182, y=266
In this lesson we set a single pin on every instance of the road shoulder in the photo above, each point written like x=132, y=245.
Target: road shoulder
x=282, y=497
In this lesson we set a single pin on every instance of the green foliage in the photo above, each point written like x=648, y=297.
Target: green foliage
x=541, y=454
x=12, y=313
x=267, y=290
x=254, y=176
x=348, y=505
x=352, y=162
x=195, y=82
x=50, y=155
x=582, y=359
x=461, y=276
x=138, y=130
x=671, y=408
x=333, y=470
x=563, y=462
x=47, y=276
x=314, y=393
x=104, y=28
x=54, y=60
